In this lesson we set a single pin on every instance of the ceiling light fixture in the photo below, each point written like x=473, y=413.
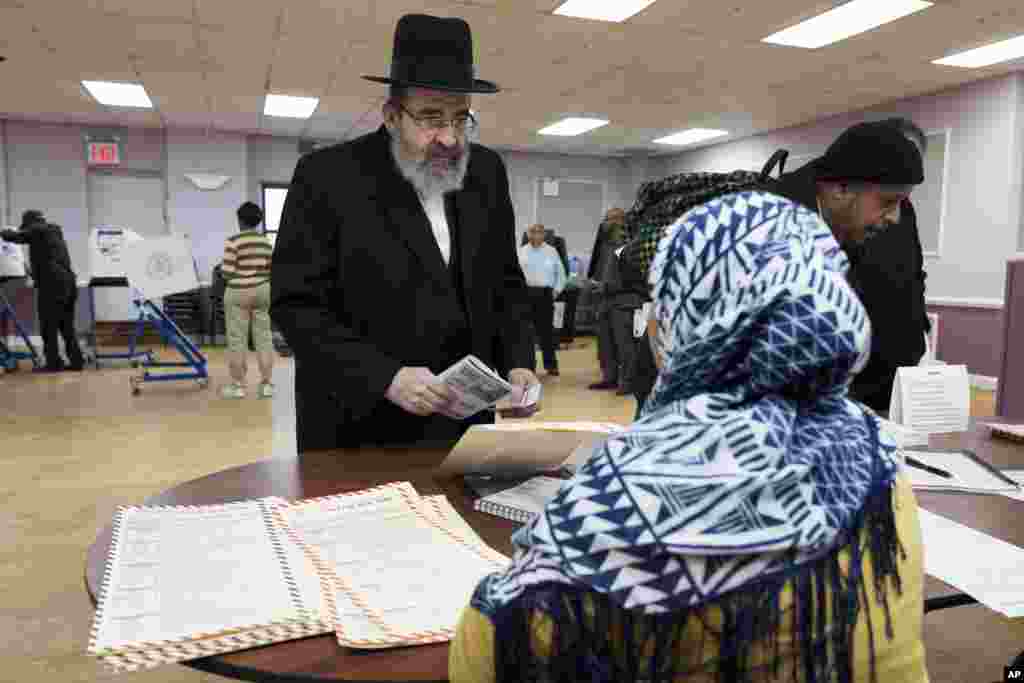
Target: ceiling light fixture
x=572, y=126
x=602, y=10
x=119, y=94
x=849, y=19
x=986, y=55
x=287, y=106
x=691, y=136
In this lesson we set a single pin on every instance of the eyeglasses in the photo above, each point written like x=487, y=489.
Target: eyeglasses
x=462, y=123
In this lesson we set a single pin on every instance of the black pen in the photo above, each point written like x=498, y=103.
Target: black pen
x=927, y=468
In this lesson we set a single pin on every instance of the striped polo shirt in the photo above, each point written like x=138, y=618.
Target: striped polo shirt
x=247, y=260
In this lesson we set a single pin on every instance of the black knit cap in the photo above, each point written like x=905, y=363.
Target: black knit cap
x=32, y=216
x=875, y=152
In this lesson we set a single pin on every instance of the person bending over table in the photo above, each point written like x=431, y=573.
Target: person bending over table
x=396, y=258
x=754, y=524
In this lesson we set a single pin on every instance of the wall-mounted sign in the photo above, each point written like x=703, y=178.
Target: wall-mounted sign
x=103, y=152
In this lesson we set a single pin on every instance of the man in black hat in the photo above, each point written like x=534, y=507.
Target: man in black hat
x=861, y=187
x=396, y=257
x=56, y=287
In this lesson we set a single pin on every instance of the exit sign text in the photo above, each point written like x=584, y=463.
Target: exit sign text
x=104, y=153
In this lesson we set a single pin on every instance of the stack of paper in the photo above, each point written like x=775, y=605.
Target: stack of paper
x=478, y=387
x=400, y=577
x=187, y=582
x=382, y=567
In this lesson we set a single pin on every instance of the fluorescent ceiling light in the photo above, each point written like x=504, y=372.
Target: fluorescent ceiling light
x=688, y=137
x=119, y=94
x=1003, y=51
x=602, y=10
x=572, y=126
x=290, y=107
x=849, y=19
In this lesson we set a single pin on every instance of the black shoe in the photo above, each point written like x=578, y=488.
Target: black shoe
x=553, y=372
x=602, y=385
x=50, y=369
x=623, y=392
x=75, y=367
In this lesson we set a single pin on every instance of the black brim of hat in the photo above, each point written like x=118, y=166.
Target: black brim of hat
x=479, y=86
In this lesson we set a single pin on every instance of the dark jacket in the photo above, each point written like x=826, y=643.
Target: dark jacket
x=48, y=257
x=360, y=289
x=887, y=271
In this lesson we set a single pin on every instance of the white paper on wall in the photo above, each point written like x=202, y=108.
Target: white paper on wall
x=106, y=247
x=160, y=266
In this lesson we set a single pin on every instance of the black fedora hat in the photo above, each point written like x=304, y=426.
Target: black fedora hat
x=435, y=53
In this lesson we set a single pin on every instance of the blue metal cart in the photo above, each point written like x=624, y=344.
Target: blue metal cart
x=172, y=334
x=8, y=358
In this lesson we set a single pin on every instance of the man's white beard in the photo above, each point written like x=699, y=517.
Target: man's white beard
x=419, y=173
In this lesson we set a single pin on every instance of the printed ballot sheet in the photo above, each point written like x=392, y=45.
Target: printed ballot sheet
x=992, y=572
x=933, y=399
x=192, y=573
x=402, y=577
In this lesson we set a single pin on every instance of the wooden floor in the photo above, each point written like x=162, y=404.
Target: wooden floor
x=75, y=446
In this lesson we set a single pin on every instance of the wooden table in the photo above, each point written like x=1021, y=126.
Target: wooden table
x=329, y=472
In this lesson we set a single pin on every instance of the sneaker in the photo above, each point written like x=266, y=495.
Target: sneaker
x=266, y=390
x=233, y=391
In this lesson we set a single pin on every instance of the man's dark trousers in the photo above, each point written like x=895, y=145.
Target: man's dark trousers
x=57, y=316
x=542, y=312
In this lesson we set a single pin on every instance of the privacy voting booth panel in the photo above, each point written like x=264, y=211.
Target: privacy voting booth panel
x=105, y=268
x=12, y=260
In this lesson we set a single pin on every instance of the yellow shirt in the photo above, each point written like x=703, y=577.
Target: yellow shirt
x=902, y=659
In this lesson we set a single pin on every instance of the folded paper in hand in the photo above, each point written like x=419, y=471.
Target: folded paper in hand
x=478, y=387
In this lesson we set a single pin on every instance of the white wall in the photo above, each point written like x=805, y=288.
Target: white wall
x=271, y=160
x=208, y=217
x=984, y=200
x=47, y=172
x=525, y=171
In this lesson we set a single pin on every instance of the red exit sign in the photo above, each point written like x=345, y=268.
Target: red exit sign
x=104, y=153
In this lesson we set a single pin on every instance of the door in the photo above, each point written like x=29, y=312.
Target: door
x=131, y=201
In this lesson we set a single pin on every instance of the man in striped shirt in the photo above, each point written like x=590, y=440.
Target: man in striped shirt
x=246, y=270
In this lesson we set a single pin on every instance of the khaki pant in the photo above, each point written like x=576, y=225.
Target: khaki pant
x=240, y=307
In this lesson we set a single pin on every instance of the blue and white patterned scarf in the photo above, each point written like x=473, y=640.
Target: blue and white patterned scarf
x=748, y=462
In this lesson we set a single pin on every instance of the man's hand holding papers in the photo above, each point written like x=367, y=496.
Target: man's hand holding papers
x=475, y=387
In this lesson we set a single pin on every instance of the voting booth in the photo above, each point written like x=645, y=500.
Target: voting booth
x=110, y=297
x=154, y=268
x=13, y=266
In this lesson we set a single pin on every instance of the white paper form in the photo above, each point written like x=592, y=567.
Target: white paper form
x=190, y=573
x=402, y=578
x=968, y=475
x=992, y=571
x=932, y=399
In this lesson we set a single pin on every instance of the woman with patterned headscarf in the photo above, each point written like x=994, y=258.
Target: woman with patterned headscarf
x=753, y=525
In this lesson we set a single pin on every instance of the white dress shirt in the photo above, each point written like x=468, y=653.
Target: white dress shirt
x=434, y=207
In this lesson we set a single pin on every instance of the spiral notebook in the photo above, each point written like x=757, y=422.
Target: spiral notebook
x=523, y=502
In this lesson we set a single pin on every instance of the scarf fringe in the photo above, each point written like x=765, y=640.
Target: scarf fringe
x=583, y=647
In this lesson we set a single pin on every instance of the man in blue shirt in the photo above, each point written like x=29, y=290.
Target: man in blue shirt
x=545, y=280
